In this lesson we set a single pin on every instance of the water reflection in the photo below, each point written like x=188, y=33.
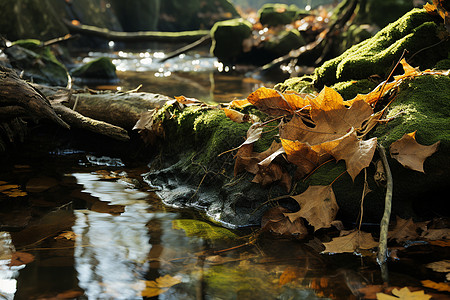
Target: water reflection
x=8, y=274
x=111, y=250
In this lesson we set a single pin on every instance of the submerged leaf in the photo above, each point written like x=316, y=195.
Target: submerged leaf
x=410, y=153
x=276, y=221
x=202, y=229
x=160, y=285
x=404, y=294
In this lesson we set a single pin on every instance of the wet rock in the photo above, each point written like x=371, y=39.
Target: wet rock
x=100, y=68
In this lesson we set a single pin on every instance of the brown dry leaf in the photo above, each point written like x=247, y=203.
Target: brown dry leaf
x=148, y=127
x=317, y=205
x=21, y=258
x=436, y=234
x=68, y=235
x=273, y=173
x=245, y=160
x=404, y=294
x=440, y=286
x=442, y=266
x=160, y=285
x=356, y=153
x=236, y=116
x=351, y=242
x=438, y=8
x=404, y=230
x=410, y=153
x=370, y=291
x=303, y=156
x=275, y=221
x=188, y=101
x=332, y=119
x=275, y=103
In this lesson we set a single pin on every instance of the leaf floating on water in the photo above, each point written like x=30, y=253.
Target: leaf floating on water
x=440, y=286
x=68, y=235
x=160, y=285
x=351, y=242
x=410, y=153
x=404, y=294
x=11, y=190
x=21, y=258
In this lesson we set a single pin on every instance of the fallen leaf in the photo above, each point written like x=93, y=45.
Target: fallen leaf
x=303, y=156
x=440, y=286
x=404, y=230
x=68, y=235
x=290, y=274
x=275, y=103
x=442, y=266
x=188, y=101
x=21, y=258
x=273, y=173
x=236, y=116
x=356, y=153
x=436, y=234
x=274, y=220
x=351, y=242
x=11, y=190
x=160, y=285
x=410, y=153
x=317, y=205
x=404, y=294
x=239, y=103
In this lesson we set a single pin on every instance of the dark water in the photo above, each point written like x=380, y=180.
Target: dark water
x=90, y=227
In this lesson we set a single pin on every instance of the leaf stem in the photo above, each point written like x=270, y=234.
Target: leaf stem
x=382, y=248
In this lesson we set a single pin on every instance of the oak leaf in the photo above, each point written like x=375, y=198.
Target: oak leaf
x=410, y=153
x=350, y=242
x=275, y=221
x=317, y=205
x=404, y=230
x=275, y=103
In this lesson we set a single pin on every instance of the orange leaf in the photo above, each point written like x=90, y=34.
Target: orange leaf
x=235, y=115
x=239, y=103
x=441, y=286
x=410, y=153
x=303, y=156
x=275, y=103
x=317, y=205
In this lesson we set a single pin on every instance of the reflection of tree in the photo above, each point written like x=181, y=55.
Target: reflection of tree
x=111, y=251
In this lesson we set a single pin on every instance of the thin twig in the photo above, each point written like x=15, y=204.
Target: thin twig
x=384, y=225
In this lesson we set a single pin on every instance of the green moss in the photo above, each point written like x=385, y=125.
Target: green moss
x=415, y=31
x=278, y=14
x=101, y=67
x=203, y=230
x=228, y=37
x=302, y=84
x=284, y=42
x=349, y=89
x=443, y=64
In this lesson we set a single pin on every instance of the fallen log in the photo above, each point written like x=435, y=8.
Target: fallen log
x=140, y=36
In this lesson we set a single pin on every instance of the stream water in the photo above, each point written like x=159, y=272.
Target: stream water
x=111, y=237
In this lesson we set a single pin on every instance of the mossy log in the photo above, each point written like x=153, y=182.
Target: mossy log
x=141, y=36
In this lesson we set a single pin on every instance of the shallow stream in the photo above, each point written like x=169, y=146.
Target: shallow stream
x=96, y=230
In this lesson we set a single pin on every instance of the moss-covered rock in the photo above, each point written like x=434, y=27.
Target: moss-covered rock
x=38, y=62
x=414, y=32
x=283, y=43
x=279, y=14
x=99, y=68
x=228, y=37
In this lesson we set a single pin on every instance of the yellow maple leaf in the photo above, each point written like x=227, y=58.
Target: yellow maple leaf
x=404, y=294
